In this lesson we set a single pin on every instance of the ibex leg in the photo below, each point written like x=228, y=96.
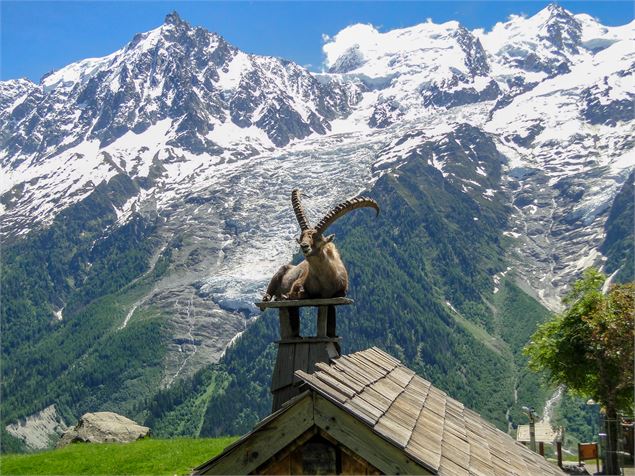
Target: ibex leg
x=274, y=285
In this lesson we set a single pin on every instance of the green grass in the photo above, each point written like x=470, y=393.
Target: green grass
x=149, y=456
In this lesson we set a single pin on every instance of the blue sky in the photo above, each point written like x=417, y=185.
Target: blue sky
x=38, y=37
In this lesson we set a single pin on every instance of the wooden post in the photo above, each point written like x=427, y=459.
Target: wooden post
x=532, y=434
x=296, y=352
x=331, y=324
x=541, y=448
x=286, y=330
x=559, y=452
x=322, y=321
x=294, y=321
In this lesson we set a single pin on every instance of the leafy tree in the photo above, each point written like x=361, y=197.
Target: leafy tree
x=589, y=348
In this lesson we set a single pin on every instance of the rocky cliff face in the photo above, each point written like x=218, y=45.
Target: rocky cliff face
x=39, y=431
x=205, y=143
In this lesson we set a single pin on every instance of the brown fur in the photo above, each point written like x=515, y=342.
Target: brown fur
x=321, y=275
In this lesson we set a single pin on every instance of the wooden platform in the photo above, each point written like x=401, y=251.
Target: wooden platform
x=262, y=305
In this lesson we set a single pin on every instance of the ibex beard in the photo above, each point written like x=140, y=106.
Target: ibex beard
x=322, y=274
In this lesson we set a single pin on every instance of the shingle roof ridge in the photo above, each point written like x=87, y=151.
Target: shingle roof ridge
x=381, y=375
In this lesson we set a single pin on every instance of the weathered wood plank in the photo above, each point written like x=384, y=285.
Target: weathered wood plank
x=351, y=369
x=283, y=395
x=409, y=404
x=363, y=410
x=286, y=459
x=430, y=440
x=331, y=322
x=286, y=332
x=406, y=414
x=376, y=360
x=414, y=392
x=352, y=465
x=304, y=303
x=454, y=454
x=503, y=466
x=362, y=416
x=386, y=355
x=376, y=399
x=337, y=385
x=379, y=356
x=322, y=319
x=340, y=377
x=268, y=440
x=394, y=429
x=401, y=376
x=450, y=468
x=361, y=360
x=389, y=389
x=460, y=444
x=360, y=439
x=424, y=453
x=283, y=370
x=301, y=360
x=479, y=466
x=369, y=365
x=420, y=384
x=322, y=387
x=317, y=353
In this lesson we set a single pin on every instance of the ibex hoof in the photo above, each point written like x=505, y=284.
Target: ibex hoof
x=284, y=297
x=266, y=298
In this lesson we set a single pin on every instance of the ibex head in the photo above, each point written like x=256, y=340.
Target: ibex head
x=311, y=243
x=312, y=239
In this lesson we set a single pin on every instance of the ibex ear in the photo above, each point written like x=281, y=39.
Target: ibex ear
x=329, y=238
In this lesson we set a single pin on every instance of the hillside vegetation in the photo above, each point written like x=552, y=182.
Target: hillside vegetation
x=421, y=276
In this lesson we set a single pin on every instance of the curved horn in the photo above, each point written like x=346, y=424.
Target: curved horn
x=298, y=210
x=342, y=209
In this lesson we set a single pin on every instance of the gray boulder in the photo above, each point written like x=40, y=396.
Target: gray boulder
x=104, y=427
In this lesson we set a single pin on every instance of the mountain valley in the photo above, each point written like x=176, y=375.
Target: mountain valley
x=145, y=204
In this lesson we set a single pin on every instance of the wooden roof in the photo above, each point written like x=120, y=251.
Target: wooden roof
x=431, y=428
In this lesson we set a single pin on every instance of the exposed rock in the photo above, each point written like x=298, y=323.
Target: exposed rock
x=104, y=427
x=451, y=94
x=40, y=430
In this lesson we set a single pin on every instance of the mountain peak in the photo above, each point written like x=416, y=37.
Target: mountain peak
x=555, y=8
x=552, y=12
x=173, y=18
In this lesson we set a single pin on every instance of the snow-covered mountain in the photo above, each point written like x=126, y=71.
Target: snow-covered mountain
x=173, y=88
x=215, y=138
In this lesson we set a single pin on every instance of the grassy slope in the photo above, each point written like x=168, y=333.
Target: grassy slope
x=518, y=316
x=149, y=456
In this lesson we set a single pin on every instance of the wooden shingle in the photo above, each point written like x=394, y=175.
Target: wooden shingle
x=422, y=420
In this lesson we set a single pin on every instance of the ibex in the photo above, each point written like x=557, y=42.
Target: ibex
x=322, y=273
